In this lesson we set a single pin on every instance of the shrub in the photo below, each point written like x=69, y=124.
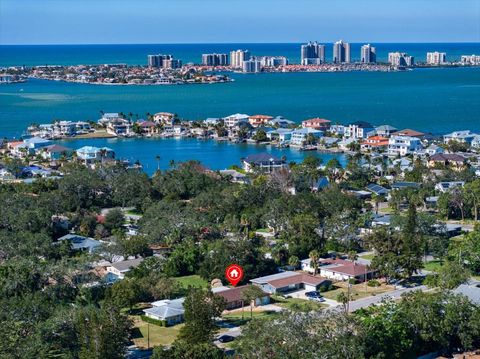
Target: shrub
x=161, y=323
x=373, y=283
x=352, y=281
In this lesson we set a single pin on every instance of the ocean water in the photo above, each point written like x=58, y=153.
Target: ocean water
x=430, y=100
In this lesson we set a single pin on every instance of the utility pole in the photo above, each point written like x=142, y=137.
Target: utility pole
x=148, y=335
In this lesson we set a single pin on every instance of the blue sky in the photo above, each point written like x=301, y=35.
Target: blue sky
x=217, y=21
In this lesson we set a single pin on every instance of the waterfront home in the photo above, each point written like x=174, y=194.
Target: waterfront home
x=374, y=143
x=107, y=117
x=447, y=159
x=263, y=162
x=90, y=154
x=410, y=133
x=259, y=120
x=234, y=297
x=281, y=122
x=28, y=146
x=280, y=135
x=433, y=150
x=164, y=118
x=338, y=130
x=55, y=152
x=289, y=281
x=120, y=268
x=120, y=127
x=81, y=243
x=236, y=120
x=343, y=270
x=448, y=186
x=476, y=142
x=385, y=130
x=317, y=124
x=403, y=145
x=235, y=176
x=82, y=127
x=345, y=143
x=170, y=311
x=147, y=128
x=299, y=137
x=460, y=136
x=213, y=121
x=64, y=129
x=359, y=130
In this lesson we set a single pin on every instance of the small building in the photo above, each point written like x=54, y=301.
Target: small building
x=280, y=135
x=447, y=159
x=401, y=185
x=465, y=136
x=289, y=281
x=81, y=243
x=300, y=136
x=234, y=297
x=385, y=130
x=410, y=133
x=403, y=145
x=90, y=154
x=120, y=268
x=236, y=119
x=55, y=152
x=341, y=269
x=170, y=311
x=281, y=122
x=433, y=150
x=375, y=143
x=470, y=290
x=259, y=120
x=317, y=124
x=164, y=118
x=263, y=162
x=359, y=130
x=377, y=189
x=448, y=186
x=235, y=176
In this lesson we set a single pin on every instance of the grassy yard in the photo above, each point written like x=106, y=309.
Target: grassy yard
x=367, y=256
x=432, y=266
x=192, y=281
x=297, y=304
x=158, y=335
x=357, y=291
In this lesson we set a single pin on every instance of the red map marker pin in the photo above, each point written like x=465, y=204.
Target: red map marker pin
x=234, y=274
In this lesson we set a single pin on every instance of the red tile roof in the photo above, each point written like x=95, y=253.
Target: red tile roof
x=409, y=132
x=297, y=279
x=235, y=294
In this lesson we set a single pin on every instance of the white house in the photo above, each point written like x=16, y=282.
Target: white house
x=460, y=136
x=119, y=269
x=433, y=150
x=90, y=154
x=169, y=310
x=299, y=136
x=403, y=145
x=340, y=269
x=263, y=162
x=235, y=120
x=359, y=129
x=448, y=186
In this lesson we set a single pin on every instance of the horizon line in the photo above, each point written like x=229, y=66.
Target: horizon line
x=236, y=43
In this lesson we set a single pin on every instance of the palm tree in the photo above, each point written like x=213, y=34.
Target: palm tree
x=314, y=257
x=294, y=262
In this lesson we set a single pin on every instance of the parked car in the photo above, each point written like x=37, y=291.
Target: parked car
x=226, y=338
x=317, y=299
x=312, y=294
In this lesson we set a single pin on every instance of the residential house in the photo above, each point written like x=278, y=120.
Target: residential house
x=403, y=145
x=385, y=130
x=81, y=243
x=120, y=268
x=476, y=142
x=289, y=281
x=147, y=128
x=471, y=290
x=338, y=130
x=448, y=186
x=377, y=189
x=64, y=128
x=263, y=162
x=212, y=121
x=90, y=154
x=342, y=270
x=55, y=152
x=164, y=118
x=401, y=185
x=345, y=143
x=234, y=297
x=119, y=127
x=236, y=177
x=317, y=124
x=170, y=311
x=433, y=150
x=259, y=120
x=447, y=159
x=300, y=136
x=460, y=136
x=108, y=117
x=236, y=120
x=359, y=130
x=280, y=135
x=281, y=122
x=410, y=133
x=375, y=143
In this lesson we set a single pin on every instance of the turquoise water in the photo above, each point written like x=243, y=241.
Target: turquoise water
x=212, y=154
x=431, y=100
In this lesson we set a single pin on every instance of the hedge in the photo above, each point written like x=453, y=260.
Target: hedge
x=161, y=323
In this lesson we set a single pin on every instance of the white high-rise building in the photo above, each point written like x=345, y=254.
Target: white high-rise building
x=470, y=59
x=214, y=59
x=312, y=53
x=436, y=58
x=400, y=59
x=252, y=66
x=368, y=54
x=238, y=57
x=341, y=52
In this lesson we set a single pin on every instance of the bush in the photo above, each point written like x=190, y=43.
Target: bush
x=353, y=281
x=161, y=323
x=373, y=283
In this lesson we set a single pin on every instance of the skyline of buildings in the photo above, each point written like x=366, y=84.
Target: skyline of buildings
x=400, y=59
x=436, y=58
x=215, y=59
x=163, y=61
x=312, y=53
x=237, y=57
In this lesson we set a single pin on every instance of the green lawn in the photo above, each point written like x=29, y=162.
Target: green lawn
x=367, y=256
x=192, y=281
x=297, y=304
x=432, y=266
x=357, y=291
x=158, y=335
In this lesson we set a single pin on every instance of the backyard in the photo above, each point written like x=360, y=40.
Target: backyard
x=357, y=291
x=158, y=335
